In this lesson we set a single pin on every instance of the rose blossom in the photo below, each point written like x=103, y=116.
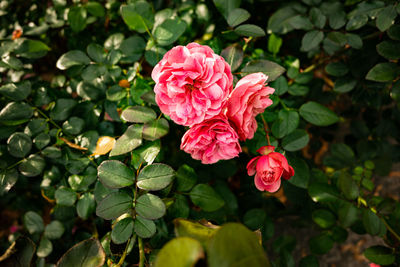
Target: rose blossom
x=192, y=83
x=211, y=141
x=269, y=168
x=249, y=98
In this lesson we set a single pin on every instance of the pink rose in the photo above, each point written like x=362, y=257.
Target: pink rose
x=192, y=83
x=269, y=168
x=249, y=98
x=374, y=265
x=211, y=141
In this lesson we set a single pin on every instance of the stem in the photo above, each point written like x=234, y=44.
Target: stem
x=391, y=229
x=47, y=118
x=15, y=164
x=122, y=259
x=266, y=129
x=283, y=104
x=246, y=44
x=141, y=252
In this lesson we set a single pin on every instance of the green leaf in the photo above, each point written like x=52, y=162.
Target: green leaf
x=180, y=251
x=138, y=16
x=15, y=113
x=95, y=9
x=62, y=109
x=150, y=206
x=16, y=92
x=8, y=178
x=155, y=177
x=348, y=214
x=356, y=22
x=344, y=85
x=114, y=205
x=233, y=54
x=281, y=21
x=72, y=58
x=337, y=19
x=348, y=186
x=205, y=197
x=96, y=52
x=45, y=248
x=280, y=85
x=311, y=40
x=287, y=122
x=65, y=196
x=254, y=219
x=382, y=72
x=320, y=192
x=131, y=139
x=296, y=140
x=122, y=231
x=86, y=206
x=186, y=178
x=274, y=43
x=309, y=261
x=338, y=38
x=77, y=18
x=243, y=249
x=317, y=18
x=394, y=32
x=73, y=126
x=115, y=174
x=298, y=90
x=324, y=218
x=36, y=126
x=138, y=114
x=86, y=253
x=386, y=18
x=250, y=30
x=19, y=145
x=387, y=49
x=380, y=255
x=144, y=228
x=226, y=6
x=354, y=40
x=337, y=69
x=23, y=250
x=54, y=230
x=155, y=129
x=32, y=49
x=301, y=175
x=371, y=222
x=33, y=222
x=237, y=16
x=269, y=68
x=317, y=114
x=133, y=47
x=169, y=31
x=321, y=244
x=32, y=166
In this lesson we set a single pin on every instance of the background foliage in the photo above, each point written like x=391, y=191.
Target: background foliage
x=86, y=155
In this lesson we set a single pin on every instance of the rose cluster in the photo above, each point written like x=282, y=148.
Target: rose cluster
x=194, y=86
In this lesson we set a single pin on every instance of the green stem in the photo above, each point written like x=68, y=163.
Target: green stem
x=141, y=252
x=247, y=44
x=122, y=259
x=15, y=164
x=47, y=118
x=391, y=229
x=266, y=129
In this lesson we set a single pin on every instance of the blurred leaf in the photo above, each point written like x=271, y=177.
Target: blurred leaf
x=155, y=129
x=131, y=139
x=114, y=205
x=254, y=219
x=301, y=175
x=19, y=144
x=155, y=177
x=386, y=18
x=344, y=85
x=54, y=230
x=115, y=174
x=274, y=43
x=180, y=251
x=186, y=178
x=22, y=250
x=226, y=6
x=65, y=196
x=317, y=114
x=233, y=54
x=86, y=253
x=85, y=206
x=201, y=233
x=311, y=40
x=250, y=30
x=320, y=192
x=243, y=249
x=354, y=40
x=280, y=85
x=95, y=9
x=150, y=206
x=32, y=166
x=96, y=52
x=387, y=49
x=144, y=228
x=16, y=92
x=206, y=198
x=324, y=218
x=309, y=261
x=348, y=186
x=321, y=244
x=237, y=16
x=280, y=21
x=138, y=16
x=33, y=222
x=138, y=114
x=169, y=31
x=77, y=18
x=296, y=140
x=45, y=248
x=122, y=231
x=380, y=255
x=394, y=32
x=337, y=69
x=348, y=214
x=72, y=58
x=382, y=72
x=288, y=121
x=371, y=222
x=8, y=178
x=269, y=68
x=317, y=18
x=356, y=22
